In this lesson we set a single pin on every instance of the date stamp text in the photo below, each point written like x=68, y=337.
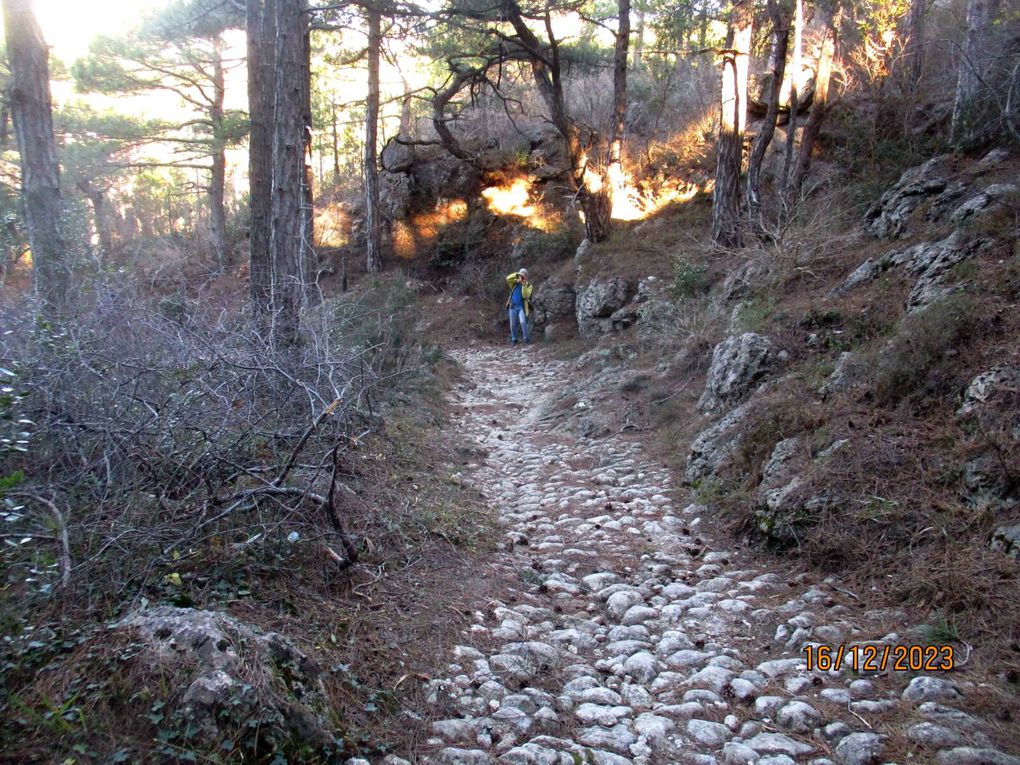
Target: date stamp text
x=879, y=658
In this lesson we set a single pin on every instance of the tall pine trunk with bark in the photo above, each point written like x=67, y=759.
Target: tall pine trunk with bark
x=819, y=108
x=966, y=118
x=796, y=71
x=31, y=112
x=218, y=176
x=780, y=45
x=733, y=118
x=309, y=262
x=261, y=44
x=101, y=217
x=373, y=224
x=286, y=243
x=599, y=179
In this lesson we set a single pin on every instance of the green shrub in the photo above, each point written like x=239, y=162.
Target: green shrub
x=689, y=279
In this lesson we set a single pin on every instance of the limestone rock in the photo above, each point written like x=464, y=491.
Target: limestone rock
x=997, y=381
x=553, y=302
x=888, y=218
x=968, y=755
x=778, y=743
x=708, y=733
x=860, y=749
x=850, y=370
x=597, y=302
x=738, y=363
x=933, y=264
x=934, y=736
x=396, y=157
x=987, y=200
x=1006, y=539
x=927, y=688
x=395, y=190
x=716, y=444
x=211, y=641
x=799, y=717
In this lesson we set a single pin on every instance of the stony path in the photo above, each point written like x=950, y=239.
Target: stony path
x=624, y=639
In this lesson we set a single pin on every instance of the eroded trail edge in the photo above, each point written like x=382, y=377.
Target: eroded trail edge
x=622, y=637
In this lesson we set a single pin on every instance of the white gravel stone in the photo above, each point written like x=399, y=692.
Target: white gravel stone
x=779, y=743
x=654, y=728
x=620, y=602
x=713, y=678
x=927, y=688
x=601, y=714
x=934, y=736
x=860, y=749
x=739, y=754
x=708, y=733
x=798, y=717
x=968, y=755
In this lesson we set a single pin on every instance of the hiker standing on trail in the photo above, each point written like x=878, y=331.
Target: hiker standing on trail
x=519, y=304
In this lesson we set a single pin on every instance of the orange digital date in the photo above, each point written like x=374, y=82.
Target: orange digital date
x=879, y=658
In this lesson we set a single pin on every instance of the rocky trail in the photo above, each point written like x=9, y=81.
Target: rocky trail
x=625, y=637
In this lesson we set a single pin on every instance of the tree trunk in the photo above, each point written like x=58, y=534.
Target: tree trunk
x=601, y=180
x=261, y=33
x=309, y=260
x=97, y=198
x=797, y=67
x=601, y=204
x=733, y=117
x=218, y=179
x=336, y=144
x=819, y=108
x=373, y=247
x=31, y=111
x=915, y=38
x=966, y=114
x=286, y=236
x=777, y=57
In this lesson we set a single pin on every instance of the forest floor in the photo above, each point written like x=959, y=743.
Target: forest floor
x=621, y=628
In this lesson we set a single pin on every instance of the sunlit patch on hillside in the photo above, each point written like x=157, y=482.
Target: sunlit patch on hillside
x=633, y=202
x=516, y=199
x=422, y=229
x=332, y=226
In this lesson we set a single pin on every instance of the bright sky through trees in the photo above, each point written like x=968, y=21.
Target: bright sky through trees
x=70, y=25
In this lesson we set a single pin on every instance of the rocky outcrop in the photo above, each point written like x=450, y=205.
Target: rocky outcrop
x=888, y=218
x=596, y=304
x=931, y=263
x=236, y=670
x=850, y=371
x=998, y=381
x=413, y=179
x=553, y=307
x=738, y=364
x=990, y=476
x=715, y=446
x=988, y=199
x=1006, y=539
x=933, y=266
x=397, y=157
